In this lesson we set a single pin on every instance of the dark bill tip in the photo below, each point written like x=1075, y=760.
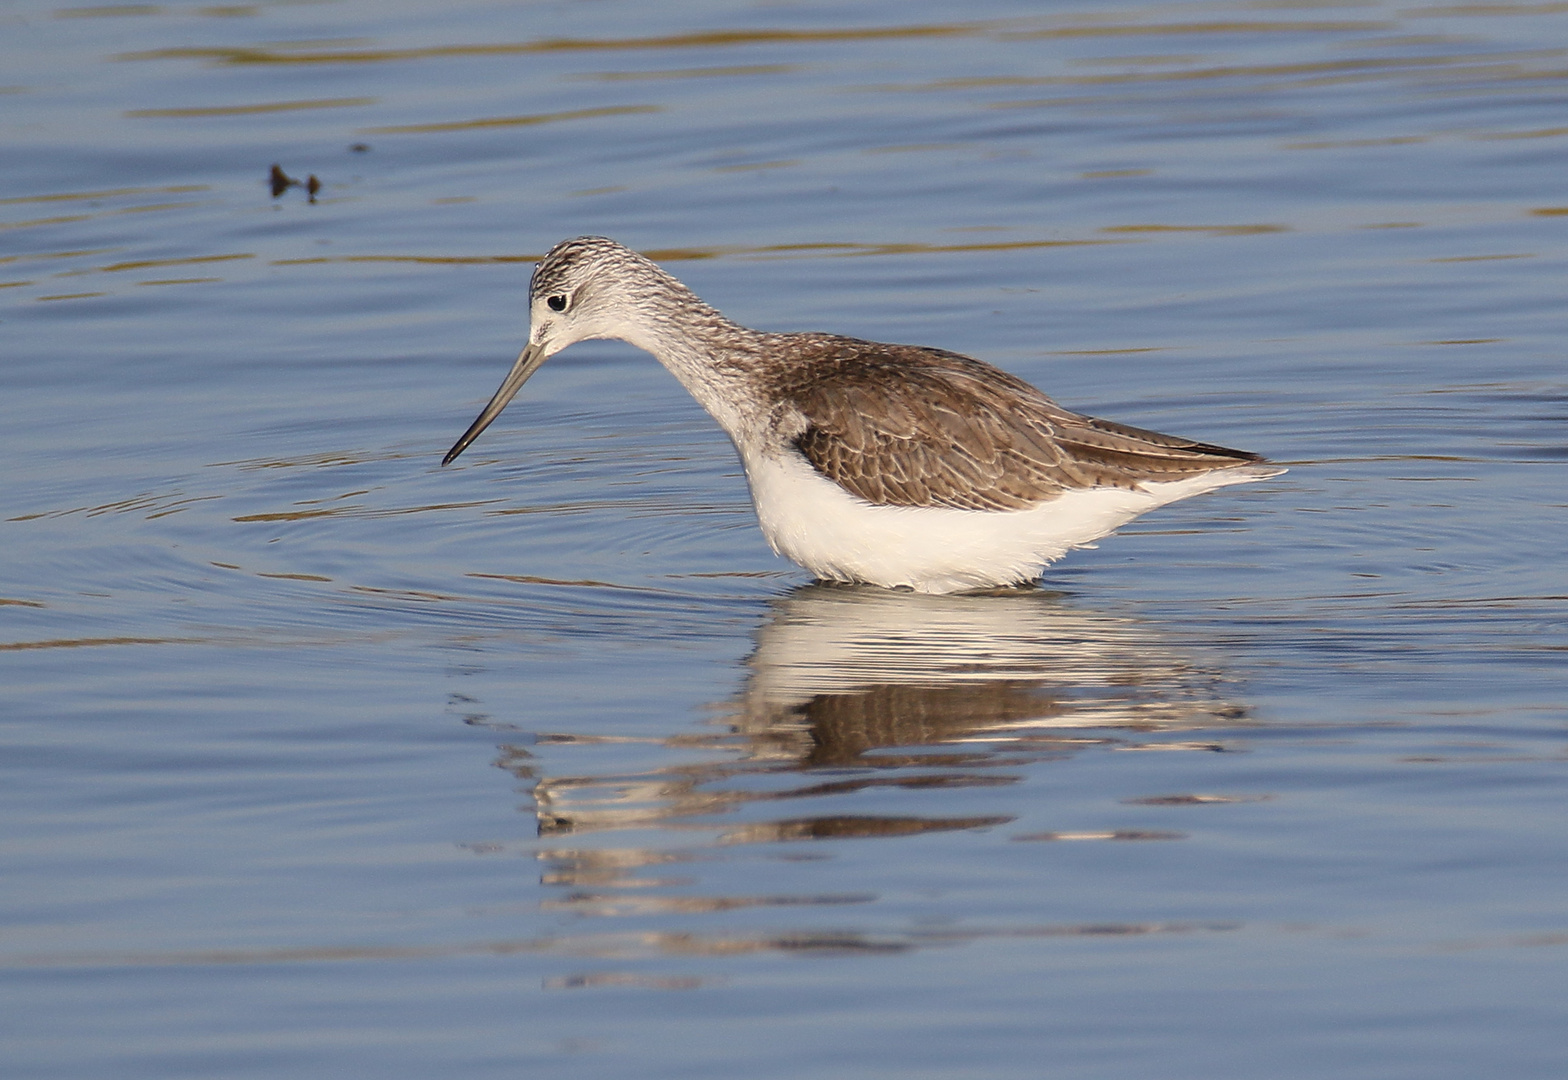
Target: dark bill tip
x=528, y=362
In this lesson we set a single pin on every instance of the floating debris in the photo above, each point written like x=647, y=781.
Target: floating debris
x=282, y=181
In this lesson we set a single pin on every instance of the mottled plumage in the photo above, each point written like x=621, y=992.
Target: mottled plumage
x=903, y=425
x=892, y=464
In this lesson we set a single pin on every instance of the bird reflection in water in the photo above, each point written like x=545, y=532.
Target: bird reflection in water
x=850, y=689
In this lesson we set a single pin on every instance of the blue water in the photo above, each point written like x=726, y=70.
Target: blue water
x=317, y=759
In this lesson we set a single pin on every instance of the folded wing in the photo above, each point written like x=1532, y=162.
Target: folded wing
x=901, y=425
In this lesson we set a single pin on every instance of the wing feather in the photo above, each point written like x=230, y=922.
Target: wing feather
x=902, y=425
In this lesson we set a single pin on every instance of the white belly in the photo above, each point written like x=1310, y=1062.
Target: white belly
x=840, y=537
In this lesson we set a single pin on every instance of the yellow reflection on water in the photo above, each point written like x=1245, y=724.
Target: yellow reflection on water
x=192, y=260
x=1209, y=230
x=305, y=53
x=112, y=193
x=94, y=643
x=107, y=11
x=68, y=219
x=511, y=121
x=731, y=71
x=252, y=110
x=1070, y=26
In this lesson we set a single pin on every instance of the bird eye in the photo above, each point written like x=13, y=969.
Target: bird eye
x=557, y=303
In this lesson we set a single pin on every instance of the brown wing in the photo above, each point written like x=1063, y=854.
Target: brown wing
x=907, y=426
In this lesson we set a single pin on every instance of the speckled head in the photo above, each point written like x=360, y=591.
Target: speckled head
x=591, y=287
x=584, y=288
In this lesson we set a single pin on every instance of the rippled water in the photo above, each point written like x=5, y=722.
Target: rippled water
x=317, y=759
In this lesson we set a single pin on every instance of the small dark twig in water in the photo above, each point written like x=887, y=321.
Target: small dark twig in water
x=282, y=181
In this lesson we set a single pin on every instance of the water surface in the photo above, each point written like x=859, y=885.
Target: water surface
x=322, y=760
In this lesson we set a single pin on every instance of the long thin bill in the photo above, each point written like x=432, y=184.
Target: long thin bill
x=528, y=362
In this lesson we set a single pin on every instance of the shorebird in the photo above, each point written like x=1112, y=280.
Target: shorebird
x=893, y=465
